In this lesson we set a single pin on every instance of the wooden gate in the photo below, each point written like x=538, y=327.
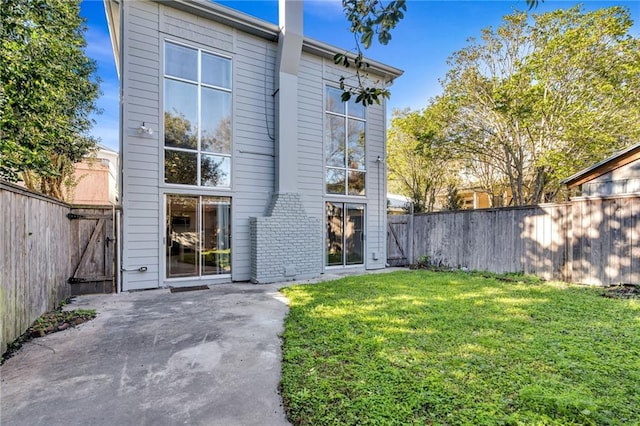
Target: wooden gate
x=399, y=240
x=93, y=250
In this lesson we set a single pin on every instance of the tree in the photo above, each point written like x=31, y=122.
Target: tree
x=536, y=101
x=369, y=19
x=182, y=166
x=418, y=156
x=48, y=90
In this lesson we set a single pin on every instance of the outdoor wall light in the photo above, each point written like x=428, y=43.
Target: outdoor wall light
x=145, y=130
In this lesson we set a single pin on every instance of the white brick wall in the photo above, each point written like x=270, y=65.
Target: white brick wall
x=285, y=245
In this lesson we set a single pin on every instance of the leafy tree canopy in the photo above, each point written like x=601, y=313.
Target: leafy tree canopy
x=372, y=19
x=48, y=90
x=539, y=98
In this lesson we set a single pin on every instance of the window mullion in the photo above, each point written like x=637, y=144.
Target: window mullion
x=346, y=153
x=199, y=124
x=344, y=234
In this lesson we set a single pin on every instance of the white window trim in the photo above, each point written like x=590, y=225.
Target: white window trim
x=346, y=169
x=199, y=152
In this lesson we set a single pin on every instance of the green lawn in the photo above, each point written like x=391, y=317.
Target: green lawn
x=419, y=347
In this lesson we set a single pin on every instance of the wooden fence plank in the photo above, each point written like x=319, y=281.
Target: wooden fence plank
x=588, y=240
x=38, y=253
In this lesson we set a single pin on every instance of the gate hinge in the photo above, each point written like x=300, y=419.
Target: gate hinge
x=74, y=280
x=72, y=216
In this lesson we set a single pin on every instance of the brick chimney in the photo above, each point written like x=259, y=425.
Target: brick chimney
x=286, y=243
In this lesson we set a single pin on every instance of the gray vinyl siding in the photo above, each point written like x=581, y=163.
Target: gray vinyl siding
x=140, y=154
x=311, y=136
x=253, y=178
x=315, y=74
x=623, y=180
x=376, y=188
x=148, y=24
x=253, y=62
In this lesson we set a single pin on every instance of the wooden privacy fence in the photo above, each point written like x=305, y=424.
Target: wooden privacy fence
x=49, y=250
x=588, y=240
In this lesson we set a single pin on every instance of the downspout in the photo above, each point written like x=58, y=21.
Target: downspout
x=120, y=237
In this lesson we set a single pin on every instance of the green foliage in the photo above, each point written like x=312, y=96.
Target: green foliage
x=419, y=347
x=369, y=19
x=420, y=161
x=541, y=97
x=182, y=166
x=50, y=322
x=48, y=88
x=372, y=19
x=454, y=200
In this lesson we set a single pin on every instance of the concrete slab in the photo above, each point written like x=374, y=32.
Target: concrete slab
x=208, y=357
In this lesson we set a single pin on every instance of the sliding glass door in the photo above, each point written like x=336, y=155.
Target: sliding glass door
x=345, y=234
x=198, y=237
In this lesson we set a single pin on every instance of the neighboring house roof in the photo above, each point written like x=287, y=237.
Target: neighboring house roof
x=618, y=160
x=397, y=201
x=241, y=21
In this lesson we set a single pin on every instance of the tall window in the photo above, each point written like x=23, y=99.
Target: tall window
x=345, y=234
x=197, y=117
x=198, y=236
x=344, y=145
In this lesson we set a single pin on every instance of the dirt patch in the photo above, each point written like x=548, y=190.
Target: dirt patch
x=623, y=291
x=50, y=322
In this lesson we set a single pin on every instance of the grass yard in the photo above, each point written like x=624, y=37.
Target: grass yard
x=420, y=347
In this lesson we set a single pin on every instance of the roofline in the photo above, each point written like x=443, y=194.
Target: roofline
x=112, y=12
x=225, y=15
x=617, y=160
x=328, y=51
x=257, y=27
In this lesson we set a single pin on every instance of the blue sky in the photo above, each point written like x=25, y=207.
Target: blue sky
x=421, y=44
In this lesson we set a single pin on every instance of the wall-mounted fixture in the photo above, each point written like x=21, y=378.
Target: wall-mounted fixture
x=379, y=159
x=144, y=130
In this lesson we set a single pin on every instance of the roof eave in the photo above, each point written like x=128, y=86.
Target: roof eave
x=112, y=12
x=266, y=30
x=328, y=51
x=618, y=160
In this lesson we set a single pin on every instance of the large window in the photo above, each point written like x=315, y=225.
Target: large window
x=344, y=145
x=197, y=117
x=198, y=236
x=345, y=234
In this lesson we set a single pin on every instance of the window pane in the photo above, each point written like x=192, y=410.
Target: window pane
x=182, y=236
x=356, y=145
x=180, y=167
x=216, y=229
x=335, y=181
x=180, y=114
x=334, y=101
x=356, y=183
x=353, y=229
x=215, y=171
x=334, y=234
x=354, y=109
x=216, y=71
x=180, y=61
x=334, y=141
x=216, y=121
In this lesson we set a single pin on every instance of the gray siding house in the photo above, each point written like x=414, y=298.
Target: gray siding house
x=239, y=161
x=616, y=175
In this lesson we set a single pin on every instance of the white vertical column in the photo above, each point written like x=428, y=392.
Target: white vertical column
x=288, y=62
